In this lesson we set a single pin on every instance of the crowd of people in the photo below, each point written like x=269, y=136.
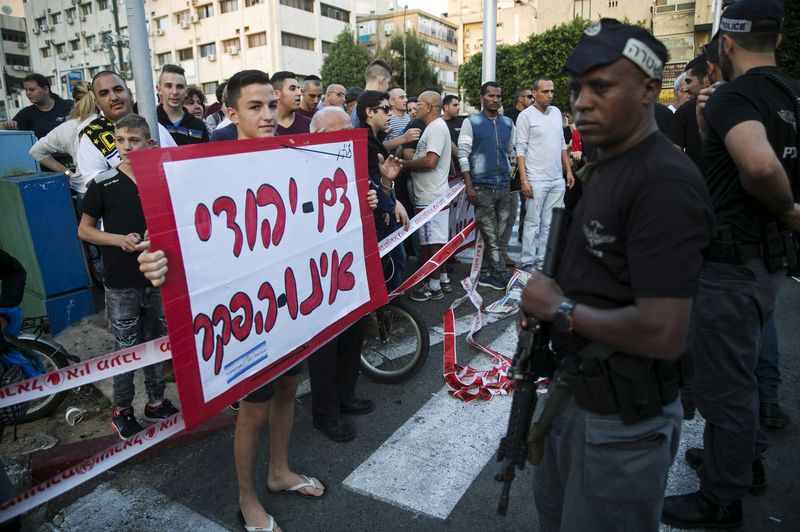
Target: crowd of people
x=671, y=253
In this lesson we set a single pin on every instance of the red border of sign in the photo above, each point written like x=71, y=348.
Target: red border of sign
x=157, y=205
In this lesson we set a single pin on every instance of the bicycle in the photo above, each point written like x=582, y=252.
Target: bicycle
x=396, y=341
x=27, y=337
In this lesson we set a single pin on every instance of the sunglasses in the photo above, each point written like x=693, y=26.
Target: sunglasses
x=385, y=108
x=529, y=96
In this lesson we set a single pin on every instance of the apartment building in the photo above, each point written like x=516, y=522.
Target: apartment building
x=75, y=39
x=682, y=25
x=15, y=61
x=440, y=36
x=212, y=40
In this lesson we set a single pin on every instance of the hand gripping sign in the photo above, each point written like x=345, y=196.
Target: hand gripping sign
x=272, y=252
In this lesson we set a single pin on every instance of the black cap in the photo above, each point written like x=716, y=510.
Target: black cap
x=352, y=94
x=608, y=40
x=752, y=16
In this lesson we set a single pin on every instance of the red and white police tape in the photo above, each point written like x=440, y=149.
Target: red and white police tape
x=419, y=219
x=91, y=467
x=86, y=372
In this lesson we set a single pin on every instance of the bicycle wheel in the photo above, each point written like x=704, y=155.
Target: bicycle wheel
x=53, y=360
x=395, y=345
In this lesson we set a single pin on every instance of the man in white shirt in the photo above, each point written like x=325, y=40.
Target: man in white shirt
x=430, y=168
x=97, y=151
x=542, y=160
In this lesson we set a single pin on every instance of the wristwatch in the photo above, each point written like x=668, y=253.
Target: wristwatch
x=68, y=173
x=562, y=318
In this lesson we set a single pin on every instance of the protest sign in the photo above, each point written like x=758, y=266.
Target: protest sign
x=272, y=252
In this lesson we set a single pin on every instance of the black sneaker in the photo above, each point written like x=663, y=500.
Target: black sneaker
x=490, y=281
x=695, y=511
x=694, y=459
x=424, y=293
x=772, y=415
x=447, y=286
x=688, y=409
x=124, y=423
x=161, y=412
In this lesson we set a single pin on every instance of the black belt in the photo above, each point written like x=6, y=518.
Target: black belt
x=733, y=252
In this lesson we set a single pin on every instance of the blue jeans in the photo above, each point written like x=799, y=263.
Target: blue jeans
x=136, y=315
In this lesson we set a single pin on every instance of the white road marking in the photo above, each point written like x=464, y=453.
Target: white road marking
x=138, y=508
x=431, y=461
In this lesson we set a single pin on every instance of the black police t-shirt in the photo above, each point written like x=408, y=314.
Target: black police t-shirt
x=685, y=133
x=43, y=122
x=415, y=123
x=639, y=230
x=751, y=96
x=116, y=201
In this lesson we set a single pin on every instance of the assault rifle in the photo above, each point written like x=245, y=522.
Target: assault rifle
x=533, y=360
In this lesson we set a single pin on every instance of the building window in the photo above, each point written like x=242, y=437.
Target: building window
x=185, y=54
x=210, y=87
x=182, y=16
x=75, y=45
x=326, y=47
x=91, y=40
x=257, y=39
x=228, y=44
x=61, y=48
x=305, y=5
x=45, y=51
x=13, y=35
x=17, y=59
x=205, y=11
x=71, y=13
x=86, y=9
x=297, y=41
x=41, y=22
x=251, y=3
x=102, y=5
x=208, y=49
x=164, y=59
x=334, y=13
x=228, y=6
x=162, y=23
x=55, y=18
x=613, y=3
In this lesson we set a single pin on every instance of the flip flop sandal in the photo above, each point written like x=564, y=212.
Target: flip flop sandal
x=249, y=528
x=295, y=490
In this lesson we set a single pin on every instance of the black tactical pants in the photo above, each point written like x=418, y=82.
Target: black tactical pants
x=732, y=305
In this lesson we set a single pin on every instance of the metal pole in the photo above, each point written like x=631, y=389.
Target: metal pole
x=405, y=34
x=142, y=67
x=115, y=13
x=716, y=8
x=489, y=40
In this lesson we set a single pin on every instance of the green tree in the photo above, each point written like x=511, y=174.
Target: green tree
x=518, y=65
x=417, y=59
x=788, y=54
x=346, y=62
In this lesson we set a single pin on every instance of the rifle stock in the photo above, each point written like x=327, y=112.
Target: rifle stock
x=532, y=360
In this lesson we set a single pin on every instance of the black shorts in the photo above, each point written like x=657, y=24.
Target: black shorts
x=267, y=392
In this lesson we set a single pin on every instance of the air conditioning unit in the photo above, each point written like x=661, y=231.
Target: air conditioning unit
x=35, y=31
x=194, y=19
x=233, y=50
x=70, y=20
x=159, y=31
x=211, y=57
x=22, y=45
x=185, y=24
x=62, y=56
x=17, y=67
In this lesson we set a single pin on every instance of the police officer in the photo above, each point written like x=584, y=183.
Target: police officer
x=751, y=146
x=621, y=301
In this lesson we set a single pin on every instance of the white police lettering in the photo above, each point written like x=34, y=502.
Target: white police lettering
x=643, y=57
x=734, y=25
x=789, y=152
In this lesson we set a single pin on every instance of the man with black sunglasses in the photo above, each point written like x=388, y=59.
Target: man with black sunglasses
x=523, y=98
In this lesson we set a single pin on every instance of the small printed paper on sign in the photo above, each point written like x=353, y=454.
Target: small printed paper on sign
x=277, y=255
